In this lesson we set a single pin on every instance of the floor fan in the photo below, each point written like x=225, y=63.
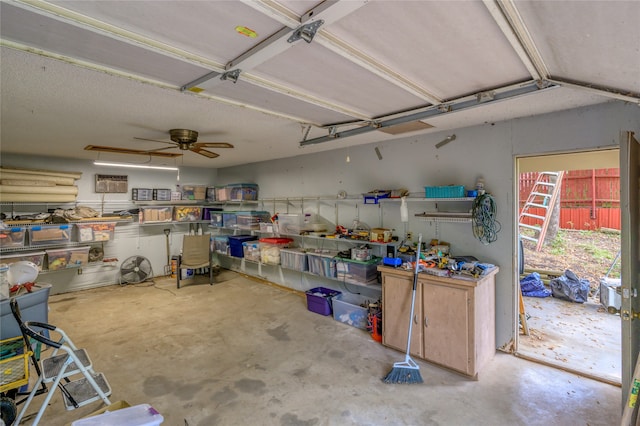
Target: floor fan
x=135, y=269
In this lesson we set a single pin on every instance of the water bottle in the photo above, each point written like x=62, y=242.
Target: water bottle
x=480, y=186
x=4, y=281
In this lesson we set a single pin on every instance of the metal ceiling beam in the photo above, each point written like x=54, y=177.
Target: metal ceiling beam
x=275, y=44
x=145, y=80
x=281, y=14
x=329, y=11
x=465, y=103
x=510, y=22
x=625, y=96
x=81, y=21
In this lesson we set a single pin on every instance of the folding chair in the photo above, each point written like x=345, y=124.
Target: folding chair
x=196, y=253
x=68, y=369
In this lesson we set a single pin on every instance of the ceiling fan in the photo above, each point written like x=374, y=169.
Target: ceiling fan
x=184, y=139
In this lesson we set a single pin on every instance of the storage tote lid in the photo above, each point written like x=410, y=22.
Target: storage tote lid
x=22, y=272
x=21, y=255
x=139, y=415
x=275, y=240
x=241, y=238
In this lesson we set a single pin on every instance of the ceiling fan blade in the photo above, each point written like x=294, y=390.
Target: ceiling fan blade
x=204, y=152
x=213, y=145
x=162, y=149
x=115, y=150
x=154, y=140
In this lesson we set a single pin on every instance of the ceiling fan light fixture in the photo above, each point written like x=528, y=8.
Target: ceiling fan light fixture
x=133, y=166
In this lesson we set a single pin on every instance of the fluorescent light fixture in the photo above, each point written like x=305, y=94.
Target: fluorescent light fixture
x=133, y=166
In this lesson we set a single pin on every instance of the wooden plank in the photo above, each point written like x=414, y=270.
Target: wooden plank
x=26, y=190
x=40, y=172
x=37, y=198
x=26, y=182
x=58, y=180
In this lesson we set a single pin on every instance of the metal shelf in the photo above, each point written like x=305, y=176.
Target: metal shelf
x=44, y=247
x=423, y=199
x=447, y=219
x=377, y=287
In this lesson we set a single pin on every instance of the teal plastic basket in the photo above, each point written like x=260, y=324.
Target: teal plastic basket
x=452, y=191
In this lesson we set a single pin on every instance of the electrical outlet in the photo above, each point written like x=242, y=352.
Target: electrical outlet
x=409, y=235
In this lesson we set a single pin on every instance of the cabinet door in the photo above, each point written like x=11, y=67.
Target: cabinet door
x=446, y=325
x=396, y=303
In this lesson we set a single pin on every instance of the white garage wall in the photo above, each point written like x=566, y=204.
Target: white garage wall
x=485, y=151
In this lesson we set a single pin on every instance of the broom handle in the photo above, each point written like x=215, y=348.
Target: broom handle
x=413, y=296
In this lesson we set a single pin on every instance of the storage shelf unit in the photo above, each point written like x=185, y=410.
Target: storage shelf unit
x=243, y=260
x=48, y=247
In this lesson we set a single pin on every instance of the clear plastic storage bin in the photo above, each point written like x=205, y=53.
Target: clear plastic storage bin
x=295, y=259
x=67, y=258
x=12, y=237
x=36, y=257
x=270, y=249
x=95, y=231
x=322, y=263
x=251, y=250
x=351, y=309
x=49, y=234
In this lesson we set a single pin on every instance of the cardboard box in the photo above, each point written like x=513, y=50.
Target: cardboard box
x=156, y=214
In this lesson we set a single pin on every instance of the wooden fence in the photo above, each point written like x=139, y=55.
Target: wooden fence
x=589, y=199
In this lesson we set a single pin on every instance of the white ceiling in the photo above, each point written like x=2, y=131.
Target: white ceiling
x=77, y=73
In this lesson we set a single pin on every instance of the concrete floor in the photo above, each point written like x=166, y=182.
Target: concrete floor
x=577, y=336
x=243, y=352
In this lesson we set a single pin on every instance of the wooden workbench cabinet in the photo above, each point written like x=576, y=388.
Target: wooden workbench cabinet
x=453, y=322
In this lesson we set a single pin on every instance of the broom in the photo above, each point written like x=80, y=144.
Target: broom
x=407, y=371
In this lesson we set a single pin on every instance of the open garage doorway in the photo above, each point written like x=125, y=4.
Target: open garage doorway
x=578, y=231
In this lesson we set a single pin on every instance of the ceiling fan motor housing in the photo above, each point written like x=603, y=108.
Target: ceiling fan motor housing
x=183, y=135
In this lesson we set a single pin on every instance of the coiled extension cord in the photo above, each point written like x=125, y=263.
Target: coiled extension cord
x=484, y=223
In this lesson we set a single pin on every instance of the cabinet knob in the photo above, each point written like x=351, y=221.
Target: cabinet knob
x=415, y=319
x=426, y=321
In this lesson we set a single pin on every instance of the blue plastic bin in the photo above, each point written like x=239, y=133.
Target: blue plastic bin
x=235, y=244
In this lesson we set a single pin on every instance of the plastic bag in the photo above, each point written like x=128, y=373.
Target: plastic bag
x=532, y=286
x=570, y=287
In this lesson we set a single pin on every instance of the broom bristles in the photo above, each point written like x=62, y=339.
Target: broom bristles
x=403, y=375
x=405, y=372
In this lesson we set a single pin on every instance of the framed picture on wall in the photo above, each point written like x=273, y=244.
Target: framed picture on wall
x=111, y=183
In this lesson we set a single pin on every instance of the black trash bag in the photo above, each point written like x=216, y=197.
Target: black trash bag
x=570, y=287
x=532, y=286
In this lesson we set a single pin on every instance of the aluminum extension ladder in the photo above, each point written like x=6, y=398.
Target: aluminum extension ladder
x=544, y=194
